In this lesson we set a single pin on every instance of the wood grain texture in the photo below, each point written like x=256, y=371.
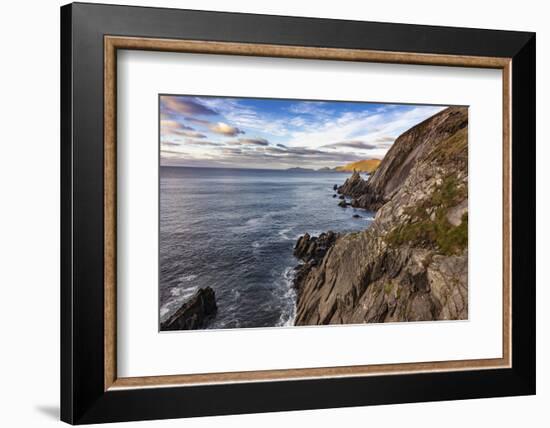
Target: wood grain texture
x=507, y=213
x=110, y=220
x=296, y=374
x=280, y=51
x=112, y=43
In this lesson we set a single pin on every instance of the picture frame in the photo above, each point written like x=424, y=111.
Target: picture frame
x=91, y=390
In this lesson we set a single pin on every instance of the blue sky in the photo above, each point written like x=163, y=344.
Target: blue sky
x=279, y=133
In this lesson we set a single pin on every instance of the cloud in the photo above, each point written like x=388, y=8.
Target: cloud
x=184, y=106
x=250, y=142
x=316, y=108
x=246, y=117
x=252, y=156
x=353, y=144
x=171, y=152
x=231, y=151
x=363, y=126
x=283, y=133
x=170, y=128
x=225, y=129
x=385, y=139
x=201, y=143
x=272, y=156
x=197, y=121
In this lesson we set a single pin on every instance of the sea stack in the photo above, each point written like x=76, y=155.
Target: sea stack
x=194, y=313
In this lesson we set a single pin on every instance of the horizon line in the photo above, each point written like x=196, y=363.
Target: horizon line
x=261, y=169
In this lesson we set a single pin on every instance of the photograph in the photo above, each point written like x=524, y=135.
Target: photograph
x=261, y=217
x=292, y=212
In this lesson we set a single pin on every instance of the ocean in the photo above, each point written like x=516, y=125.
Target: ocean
x=235, y=229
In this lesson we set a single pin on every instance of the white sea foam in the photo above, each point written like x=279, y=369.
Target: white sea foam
x=179, y=295
x=254, y=221
x=184, y=293
x=288, y=314
x=187, y=278
x=283, y=233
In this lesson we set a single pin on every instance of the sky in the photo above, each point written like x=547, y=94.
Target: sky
x=279, y=133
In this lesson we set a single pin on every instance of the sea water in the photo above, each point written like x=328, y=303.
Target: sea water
x=235, y=229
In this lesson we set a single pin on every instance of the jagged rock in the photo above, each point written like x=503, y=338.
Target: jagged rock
x=311, y=250
x=194, y=313
x=309, y=247
x=342, y=197
x=335, y=187
x=343, y=204
x=334, y=195
x=353, y=186
x=411, y=264
x=356, y=216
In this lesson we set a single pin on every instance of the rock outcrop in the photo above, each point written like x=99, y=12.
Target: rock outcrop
x=194, y=313
x=354, y=186
x=311, y=251
x=411, y=264
x=410, y=149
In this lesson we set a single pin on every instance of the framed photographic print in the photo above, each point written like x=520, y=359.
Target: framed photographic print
x=265, y=213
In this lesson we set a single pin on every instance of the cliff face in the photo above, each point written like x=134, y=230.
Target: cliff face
x=411, y=264
x=410, y=149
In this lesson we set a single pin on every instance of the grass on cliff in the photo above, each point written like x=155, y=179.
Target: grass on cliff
x=365, y=165
x=454, y=148
x=425, y=232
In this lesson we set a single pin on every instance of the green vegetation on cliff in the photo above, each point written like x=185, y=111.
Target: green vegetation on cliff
x=429, y=226
x=365, y=165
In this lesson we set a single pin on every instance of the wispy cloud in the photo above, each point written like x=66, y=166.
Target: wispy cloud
x=354, y=144
x=280, y=133
x=172, y=128
x=250, y=141
x=184, y=106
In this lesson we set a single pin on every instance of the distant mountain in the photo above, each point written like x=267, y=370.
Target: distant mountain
x=326, y=168
x=298, y=169
x=365, y=165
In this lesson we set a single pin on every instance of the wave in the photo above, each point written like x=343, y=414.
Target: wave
x=187, y=278
x=283, y=233
x=255, y=223
x=288, y=312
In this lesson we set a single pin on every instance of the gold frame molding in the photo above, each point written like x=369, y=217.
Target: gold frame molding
x=113, y=43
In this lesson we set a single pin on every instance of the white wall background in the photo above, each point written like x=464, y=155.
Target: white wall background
x=29, y=214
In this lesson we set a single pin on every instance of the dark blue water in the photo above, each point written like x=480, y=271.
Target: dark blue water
x=234, y=230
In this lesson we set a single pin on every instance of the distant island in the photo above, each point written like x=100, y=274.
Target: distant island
x=364, y=165
x=298, y=169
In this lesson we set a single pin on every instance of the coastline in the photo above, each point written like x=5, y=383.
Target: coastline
x=244, y=224
x=411, y=263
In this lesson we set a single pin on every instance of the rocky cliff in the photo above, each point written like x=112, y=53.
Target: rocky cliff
x=411, y=264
